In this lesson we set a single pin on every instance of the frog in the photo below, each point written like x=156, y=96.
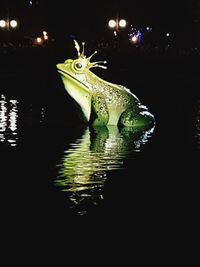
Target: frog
x=102, y=102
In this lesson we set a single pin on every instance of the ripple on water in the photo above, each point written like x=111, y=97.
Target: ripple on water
x=8, y=121
x=85, y=166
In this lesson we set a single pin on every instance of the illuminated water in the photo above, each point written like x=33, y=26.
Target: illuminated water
x=57, y=173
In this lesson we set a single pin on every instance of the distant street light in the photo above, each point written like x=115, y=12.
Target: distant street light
x=8, y=24
x=40, y=40
x=117, y=24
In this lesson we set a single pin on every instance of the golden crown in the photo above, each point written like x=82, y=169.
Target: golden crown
x=82, y=56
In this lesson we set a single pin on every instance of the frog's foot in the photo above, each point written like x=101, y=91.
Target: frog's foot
x=99, y=111
x=142, y=120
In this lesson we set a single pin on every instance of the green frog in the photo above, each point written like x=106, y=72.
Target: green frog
x=102, y=102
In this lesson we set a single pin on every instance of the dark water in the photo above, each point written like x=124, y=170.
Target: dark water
x=60, y=178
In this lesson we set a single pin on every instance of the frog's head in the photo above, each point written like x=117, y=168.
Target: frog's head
x=78, y=79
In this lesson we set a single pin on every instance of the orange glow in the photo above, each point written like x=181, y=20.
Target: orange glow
x=39, y=40
x=134, y=39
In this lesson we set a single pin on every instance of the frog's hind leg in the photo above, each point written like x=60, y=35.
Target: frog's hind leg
x=99, y=111
x=142, y=119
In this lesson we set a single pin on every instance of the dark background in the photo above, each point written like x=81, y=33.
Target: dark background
x=155, y=208
x=89, y=18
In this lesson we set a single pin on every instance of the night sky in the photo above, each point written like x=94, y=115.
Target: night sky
x=91, y=17
x=94, y=15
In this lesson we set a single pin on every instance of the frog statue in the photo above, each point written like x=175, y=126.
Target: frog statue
x=102, y=102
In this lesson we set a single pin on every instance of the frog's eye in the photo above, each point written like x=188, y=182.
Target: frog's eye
x=78, y=66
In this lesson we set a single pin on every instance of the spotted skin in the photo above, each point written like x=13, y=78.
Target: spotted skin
x=102, y=102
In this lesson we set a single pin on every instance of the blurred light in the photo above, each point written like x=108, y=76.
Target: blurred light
x=2, y=23
x=167, y=34
x=45, y=35
x=134, y=39
x=122, y=23
x=135, y=35
x=149, y=28
x=39, y=40
x=13, y=23
x=112, y=23
x=7, y=24
x=117, y=24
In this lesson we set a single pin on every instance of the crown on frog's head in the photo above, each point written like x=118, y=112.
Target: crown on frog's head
x=89, y=64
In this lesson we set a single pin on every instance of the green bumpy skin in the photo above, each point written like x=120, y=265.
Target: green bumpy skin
x=102, y=103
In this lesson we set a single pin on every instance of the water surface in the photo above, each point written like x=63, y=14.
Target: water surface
x=55, y=170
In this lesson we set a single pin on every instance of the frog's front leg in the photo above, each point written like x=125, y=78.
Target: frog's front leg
x=99, y=110
x=136, y=118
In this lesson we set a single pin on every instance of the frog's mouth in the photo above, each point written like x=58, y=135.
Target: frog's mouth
x=72, y=78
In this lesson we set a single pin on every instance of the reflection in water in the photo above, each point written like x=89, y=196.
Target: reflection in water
x=8, y=120
x=84, y=167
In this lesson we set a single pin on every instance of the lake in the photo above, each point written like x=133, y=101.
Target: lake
x=57, y=174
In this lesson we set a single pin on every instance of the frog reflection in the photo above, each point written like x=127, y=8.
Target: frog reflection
x=84, y=167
